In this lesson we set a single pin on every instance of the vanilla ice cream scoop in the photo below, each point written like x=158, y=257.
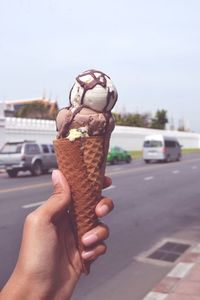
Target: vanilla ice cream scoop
x=94, y=90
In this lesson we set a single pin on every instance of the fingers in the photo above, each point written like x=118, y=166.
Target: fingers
x=59, y=201
x=93, y=241
x=107, y=181
x=104, y=207
x=94, y=253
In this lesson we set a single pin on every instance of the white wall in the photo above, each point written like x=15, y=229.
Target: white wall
x=130, y=138
x=18, y=129
x=2, y=124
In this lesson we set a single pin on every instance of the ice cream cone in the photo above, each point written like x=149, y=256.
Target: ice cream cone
x=82, y=162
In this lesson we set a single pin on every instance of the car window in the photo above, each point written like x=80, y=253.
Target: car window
x=116, y=149
x=45, y=149
x=32, y=149
x=52, y=149
x=152, y=143
x=11, y=148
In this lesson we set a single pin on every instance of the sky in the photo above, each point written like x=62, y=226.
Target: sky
x=149, y=48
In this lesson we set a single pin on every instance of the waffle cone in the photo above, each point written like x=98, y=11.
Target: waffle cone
x=82, y=162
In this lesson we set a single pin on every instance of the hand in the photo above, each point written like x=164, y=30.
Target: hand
x=49, y=265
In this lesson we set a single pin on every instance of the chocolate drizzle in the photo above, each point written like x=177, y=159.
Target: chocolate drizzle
x=94, y=124
x=97, y=80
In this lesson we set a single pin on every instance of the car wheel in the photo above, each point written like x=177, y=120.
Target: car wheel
x=147, y=161
x=36, y=168
x=178, y=158
x=114, y=161
x=128, y=160
x=167, y=159
x=12, y=173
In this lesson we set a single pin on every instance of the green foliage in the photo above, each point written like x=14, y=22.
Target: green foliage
x=142, y=120
x=38, y=110
x=135, y=119
x=160, y=119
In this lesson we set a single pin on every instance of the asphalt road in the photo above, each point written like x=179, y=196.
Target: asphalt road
x=152, y=202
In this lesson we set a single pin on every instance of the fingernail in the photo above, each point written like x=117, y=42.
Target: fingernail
x=87, y=254
x=89, y=239
x=55, y=177
x=104, y=209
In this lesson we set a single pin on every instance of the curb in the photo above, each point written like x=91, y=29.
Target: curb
x=177, y=284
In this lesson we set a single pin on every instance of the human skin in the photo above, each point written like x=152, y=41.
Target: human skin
x=49, y=264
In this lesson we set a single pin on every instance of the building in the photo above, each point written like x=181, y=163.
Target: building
x=12, y=107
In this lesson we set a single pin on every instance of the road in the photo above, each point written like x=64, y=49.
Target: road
x=152, y=202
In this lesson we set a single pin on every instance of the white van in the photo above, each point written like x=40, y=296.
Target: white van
x=161, y=148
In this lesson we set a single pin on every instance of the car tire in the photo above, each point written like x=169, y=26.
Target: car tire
x=12, y=173
x=36, y=169
x=114, y=161
x=167, y=159
x=147, y=161
x=128, y=160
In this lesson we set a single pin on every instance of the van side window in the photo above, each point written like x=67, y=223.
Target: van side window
x=170, y=144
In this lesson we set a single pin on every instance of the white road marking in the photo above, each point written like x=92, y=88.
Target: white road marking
x=110, y=187
x=32, y=204
x=194, y=168
x=175, y=171
x=148, y=178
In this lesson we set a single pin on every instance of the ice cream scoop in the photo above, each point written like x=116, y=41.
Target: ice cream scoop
x=92, y=97
x=84, y=130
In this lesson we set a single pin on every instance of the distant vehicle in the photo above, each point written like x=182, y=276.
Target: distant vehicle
x=27, y=156
x=117, y=154
x=161, y=148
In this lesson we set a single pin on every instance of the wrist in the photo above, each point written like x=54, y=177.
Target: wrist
x=21, y=286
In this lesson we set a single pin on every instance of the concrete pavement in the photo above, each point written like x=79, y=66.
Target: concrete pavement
x=182, y=282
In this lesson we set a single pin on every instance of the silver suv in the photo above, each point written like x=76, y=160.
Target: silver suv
x=27, y=156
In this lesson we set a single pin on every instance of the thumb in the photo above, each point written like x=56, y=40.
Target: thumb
x=59, y=201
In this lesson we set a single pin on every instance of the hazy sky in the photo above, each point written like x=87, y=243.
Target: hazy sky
x=150, y=48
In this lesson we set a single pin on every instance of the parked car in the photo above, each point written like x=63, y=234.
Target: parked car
x=27, y=156
x=117, y=154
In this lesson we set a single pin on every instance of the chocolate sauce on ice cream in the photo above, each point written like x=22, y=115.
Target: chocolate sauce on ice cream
x=92, y=97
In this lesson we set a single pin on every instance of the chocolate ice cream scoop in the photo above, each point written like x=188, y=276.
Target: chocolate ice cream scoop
x=92, y=97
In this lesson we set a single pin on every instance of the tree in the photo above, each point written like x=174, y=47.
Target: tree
x=38, y=110
x=135, y=119
x=160, y=119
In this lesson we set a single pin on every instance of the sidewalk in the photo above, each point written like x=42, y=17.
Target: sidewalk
x=182, y=282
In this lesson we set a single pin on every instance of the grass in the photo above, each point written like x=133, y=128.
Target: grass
x=188, y=151
x=138, y=154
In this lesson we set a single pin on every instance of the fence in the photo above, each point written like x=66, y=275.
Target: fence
x=44, y=131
